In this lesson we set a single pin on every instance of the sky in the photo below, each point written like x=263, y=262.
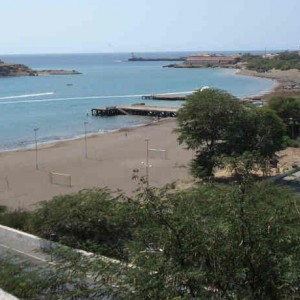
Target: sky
x=97, y=26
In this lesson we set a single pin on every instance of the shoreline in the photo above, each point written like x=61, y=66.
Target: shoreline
x=111, y=160
x=284, y=81
x=30, y=146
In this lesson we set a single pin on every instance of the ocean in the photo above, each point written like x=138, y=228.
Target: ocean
x=59, y=105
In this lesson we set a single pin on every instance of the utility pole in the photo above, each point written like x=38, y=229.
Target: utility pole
x=36, y=148
x=85, y=140
x=147, y=161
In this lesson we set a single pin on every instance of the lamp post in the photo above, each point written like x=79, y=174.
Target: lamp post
x=85, y=140
x=36, y=148
x=147, y=161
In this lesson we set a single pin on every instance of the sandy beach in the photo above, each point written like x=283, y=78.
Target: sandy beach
x=285, y=81
x=112, y=157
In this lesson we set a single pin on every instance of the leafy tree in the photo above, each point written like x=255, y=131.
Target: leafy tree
x=210, y=242
x=92, y=220
x=218, y=126
x=215, y=242
x=17, y=219
x=255, y=136
x=288, y=109
x=202, y=121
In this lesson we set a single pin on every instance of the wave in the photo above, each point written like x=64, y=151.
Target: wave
x=82, y=98
x=27, y=96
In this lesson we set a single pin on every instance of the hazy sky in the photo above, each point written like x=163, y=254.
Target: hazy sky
x=71, y=26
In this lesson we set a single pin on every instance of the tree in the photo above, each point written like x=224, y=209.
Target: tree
x=93, y=220
x=218, y=127
x=288, y=109
x=254, y=138
x=216, y=242
x=213, y=241
x=202, y=121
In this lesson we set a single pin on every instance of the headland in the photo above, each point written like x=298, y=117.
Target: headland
x=13, y=70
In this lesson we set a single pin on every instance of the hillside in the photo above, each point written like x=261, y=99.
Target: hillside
x=15, y=70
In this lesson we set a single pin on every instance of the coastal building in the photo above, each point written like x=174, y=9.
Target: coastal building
x=269, y=56
x=209, y=60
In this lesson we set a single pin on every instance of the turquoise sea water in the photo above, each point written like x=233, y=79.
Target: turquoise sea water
x=58, y=105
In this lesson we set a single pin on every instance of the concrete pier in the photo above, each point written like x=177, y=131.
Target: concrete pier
x=167, y=97
x=142, y=110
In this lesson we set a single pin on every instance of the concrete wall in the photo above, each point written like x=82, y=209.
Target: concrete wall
x=5, y=296
x=26, y=238
x=33, y=241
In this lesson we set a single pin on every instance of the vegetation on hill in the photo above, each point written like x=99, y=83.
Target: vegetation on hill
x=281, y=61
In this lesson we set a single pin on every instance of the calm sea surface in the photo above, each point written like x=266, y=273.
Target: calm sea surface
x=59, y=105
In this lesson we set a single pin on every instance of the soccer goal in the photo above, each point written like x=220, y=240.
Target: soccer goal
x=4, y=184
x=158, y=153
x=60, y=179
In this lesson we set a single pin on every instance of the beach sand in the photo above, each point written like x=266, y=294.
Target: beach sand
x=284, y=81
x=112, y=157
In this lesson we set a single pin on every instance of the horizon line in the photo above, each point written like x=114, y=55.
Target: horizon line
x=160, y=51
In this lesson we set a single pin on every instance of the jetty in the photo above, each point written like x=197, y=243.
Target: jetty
x=141, y=110
x=135, y=58
x=167, y=97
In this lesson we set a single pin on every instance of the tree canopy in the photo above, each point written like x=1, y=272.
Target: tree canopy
x=288, y=109
x=217, y=125
x=213, y=241
x=217, y=242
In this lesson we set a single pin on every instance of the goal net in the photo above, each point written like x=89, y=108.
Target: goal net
x=158, y=153
x=60, y=179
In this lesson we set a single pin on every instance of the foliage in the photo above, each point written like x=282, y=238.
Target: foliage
x=288, y=109
x=66, y=279
x=3, y=209
x=92, y=220
x=282, y=61
x=218, y=126
x=216, y=242
x=17, y=219
x=213, y=241
x=202, y=121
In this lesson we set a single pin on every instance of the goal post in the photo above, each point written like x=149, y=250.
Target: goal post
x=60, y=179
x=158, y=153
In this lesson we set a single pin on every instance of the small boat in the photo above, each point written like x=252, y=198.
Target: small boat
x=69, y=84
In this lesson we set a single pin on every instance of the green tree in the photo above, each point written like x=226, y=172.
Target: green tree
x=288, y=109
x=215, y=242
x=253, y=139
x=210, y=242
x=202, y=121
x=93, y=220
x=218, y=127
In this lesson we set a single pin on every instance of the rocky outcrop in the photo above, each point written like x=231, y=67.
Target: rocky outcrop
x=16, y=70
x=9, y=70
